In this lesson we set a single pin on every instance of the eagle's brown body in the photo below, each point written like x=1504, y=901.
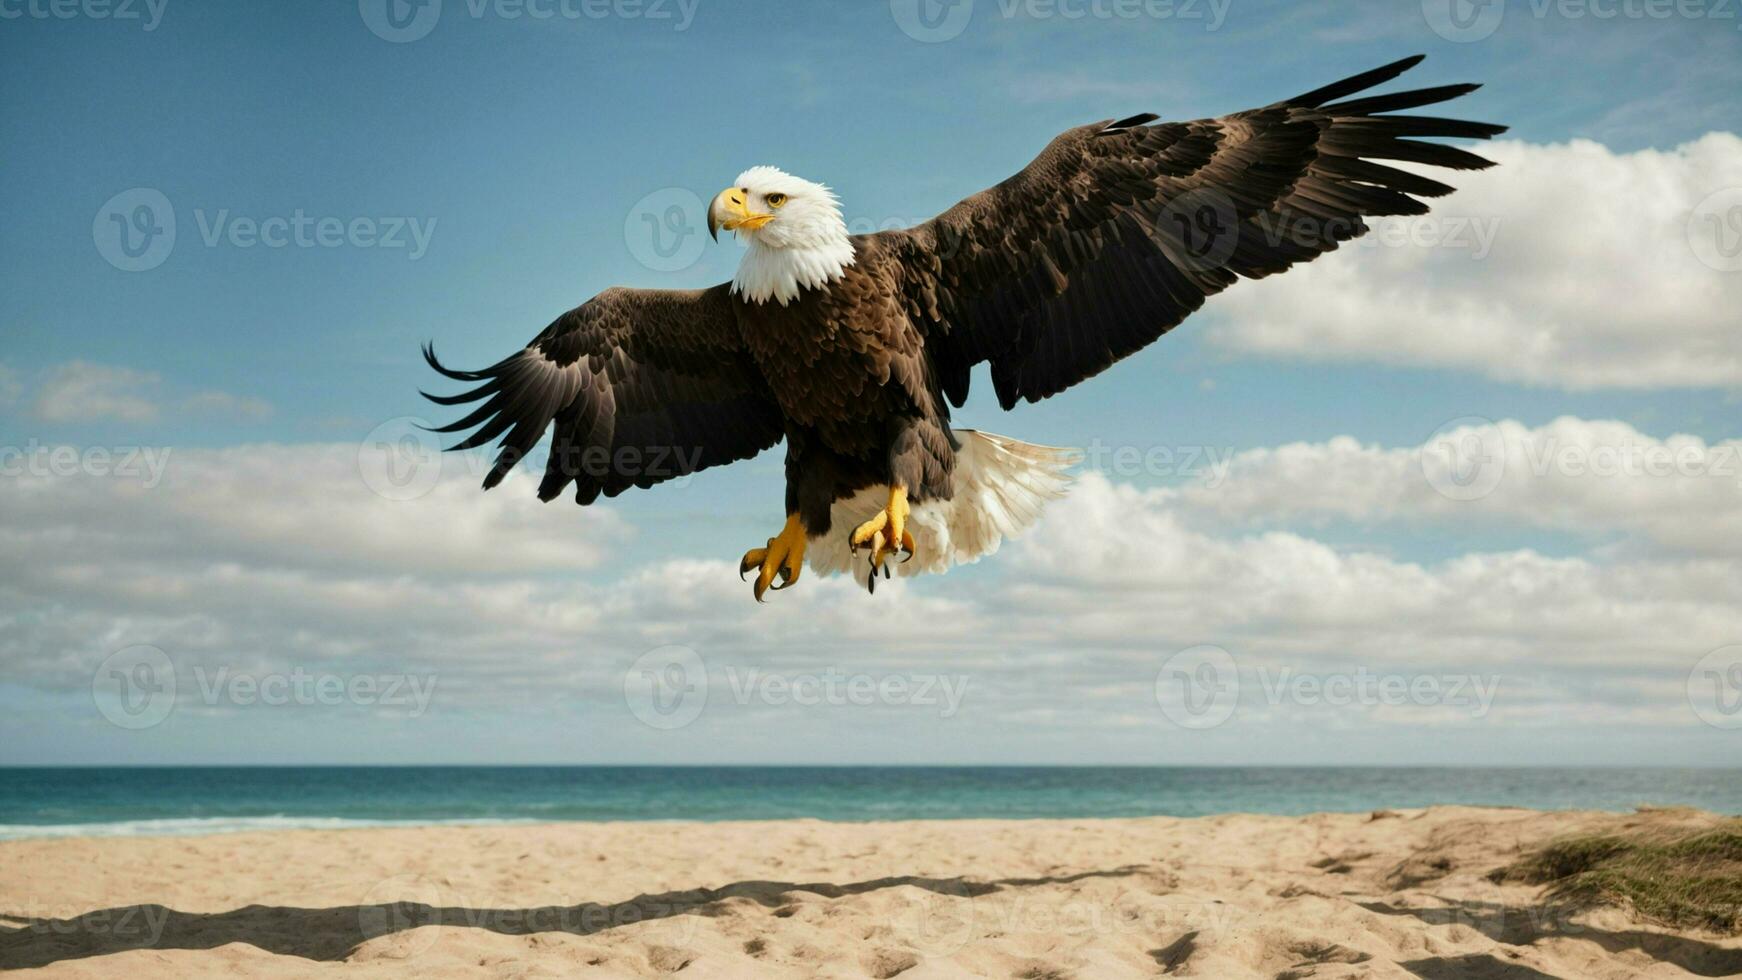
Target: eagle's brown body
x=1112, y=236
x=850, y=373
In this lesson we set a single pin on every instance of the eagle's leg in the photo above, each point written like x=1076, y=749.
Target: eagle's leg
x=885, y=534
x=784, y=556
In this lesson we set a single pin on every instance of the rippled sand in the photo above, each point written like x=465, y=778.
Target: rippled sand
x=1282, y=898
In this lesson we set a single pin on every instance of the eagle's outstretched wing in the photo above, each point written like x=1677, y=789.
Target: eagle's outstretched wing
x=644, y=385
x=1119, y=230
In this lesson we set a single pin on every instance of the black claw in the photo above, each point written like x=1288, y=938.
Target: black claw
x=885, y=571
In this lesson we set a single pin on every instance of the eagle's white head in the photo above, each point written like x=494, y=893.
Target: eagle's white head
x=793, y=227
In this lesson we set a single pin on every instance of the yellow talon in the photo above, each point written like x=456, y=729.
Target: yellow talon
x=784, y=556
x=885, y=533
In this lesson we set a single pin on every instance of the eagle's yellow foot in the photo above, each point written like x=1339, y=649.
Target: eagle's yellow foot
x=885, y=535
x=784, y=556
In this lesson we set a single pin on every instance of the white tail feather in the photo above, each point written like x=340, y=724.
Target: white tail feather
x=1001, y=487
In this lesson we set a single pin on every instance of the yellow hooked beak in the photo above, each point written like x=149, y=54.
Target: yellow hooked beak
x=731, y=211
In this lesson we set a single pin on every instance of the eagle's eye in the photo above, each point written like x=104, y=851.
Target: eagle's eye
x=776, y=200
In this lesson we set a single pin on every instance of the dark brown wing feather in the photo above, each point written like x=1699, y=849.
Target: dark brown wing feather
x=1119, y=230
x=644, y=385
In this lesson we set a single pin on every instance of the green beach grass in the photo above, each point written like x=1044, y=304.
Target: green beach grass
x=1684, y=877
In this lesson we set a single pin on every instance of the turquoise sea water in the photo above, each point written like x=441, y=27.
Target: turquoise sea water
x=56, y=802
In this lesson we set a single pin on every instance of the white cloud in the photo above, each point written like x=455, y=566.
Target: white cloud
x=1119, y=563
x=222, y=403
x=285, y=508
x=79, y=391
x=1590, y=281
x=268, y=558
x=1597, y=479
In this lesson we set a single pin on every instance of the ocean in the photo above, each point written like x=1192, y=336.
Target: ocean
x=51, y=802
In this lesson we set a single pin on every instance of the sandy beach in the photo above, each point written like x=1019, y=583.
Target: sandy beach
x=1403, y=894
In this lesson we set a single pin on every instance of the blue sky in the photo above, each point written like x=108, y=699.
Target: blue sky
x=522, y=145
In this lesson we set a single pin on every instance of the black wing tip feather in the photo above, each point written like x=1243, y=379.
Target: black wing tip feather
x=430, y=358
x=507, y=458
x=1129, y=122
x=1355, y=83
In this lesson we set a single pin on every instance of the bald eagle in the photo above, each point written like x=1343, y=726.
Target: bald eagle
x=853, y=348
